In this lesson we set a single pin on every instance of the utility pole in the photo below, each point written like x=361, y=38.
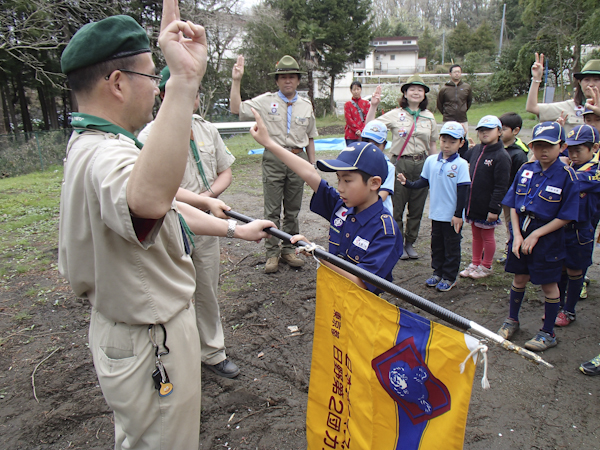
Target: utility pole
x=502, y=30
x=443, y=45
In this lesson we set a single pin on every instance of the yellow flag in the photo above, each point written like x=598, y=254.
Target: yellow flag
x=383, y=378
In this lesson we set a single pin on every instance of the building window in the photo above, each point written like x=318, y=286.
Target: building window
x=406, y=42
x=392, y=57
x=377, y=58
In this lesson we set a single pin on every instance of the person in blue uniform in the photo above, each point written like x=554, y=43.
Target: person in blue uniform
x=543, y=199
x=582, y=144
x=361, y=231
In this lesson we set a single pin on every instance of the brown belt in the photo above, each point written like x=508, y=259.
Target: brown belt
x=294, y=150
x=418, y=157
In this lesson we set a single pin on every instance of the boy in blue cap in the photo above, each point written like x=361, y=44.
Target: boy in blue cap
x=543, y=199
x=361, y=230
x=447, y=176
x=582, y=144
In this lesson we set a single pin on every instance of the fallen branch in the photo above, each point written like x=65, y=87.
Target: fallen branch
x=36, y=368
x=234, y=265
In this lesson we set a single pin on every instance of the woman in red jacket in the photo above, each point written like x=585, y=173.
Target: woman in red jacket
x=355, y=112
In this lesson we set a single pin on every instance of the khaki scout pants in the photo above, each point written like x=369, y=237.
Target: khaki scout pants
x=207, y=258
x=281, y=185
x=415, y=198
x=124, y=361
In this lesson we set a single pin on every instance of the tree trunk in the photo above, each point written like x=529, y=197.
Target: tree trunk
x=311, y=88
x=52, y=114
x=12, y=125
x=5, y=111
x=331, y=89
x=25, y=117
x=44, y=106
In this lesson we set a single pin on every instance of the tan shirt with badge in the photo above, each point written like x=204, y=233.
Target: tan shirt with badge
x=549, y=112
x=214, y=155
x=273, y=110
x=400, y=123
x=126, y=280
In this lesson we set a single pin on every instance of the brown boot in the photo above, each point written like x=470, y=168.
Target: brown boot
x=272, y=264
x=292, y=260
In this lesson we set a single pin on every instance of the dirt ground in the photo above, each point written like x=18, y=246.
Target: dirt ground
x=43, y=351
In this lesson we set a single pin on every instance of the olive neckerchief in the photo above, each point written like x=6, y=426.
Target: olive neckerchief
x=80, y=122
x=199, y=163
x=414, y=114
x=188, y=235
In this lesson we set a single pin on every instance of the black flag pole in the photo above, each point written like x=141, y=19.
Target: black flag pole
x=409, y=297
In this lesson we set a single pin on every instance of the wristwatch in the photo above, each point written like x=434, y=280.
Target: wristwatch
x=231, y=224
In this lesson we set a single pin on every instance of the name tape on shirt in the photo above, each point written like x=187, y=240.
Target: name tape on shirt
x=553, y=190
x=527, y=173
x=361, y=243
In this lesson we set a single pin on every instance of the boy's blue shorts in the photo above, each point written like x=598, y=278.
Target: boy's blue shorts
x=580, y=246
x=544, y=264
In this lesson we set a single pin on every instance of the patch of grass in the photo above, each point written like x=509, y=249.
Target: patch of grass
x=22, y=315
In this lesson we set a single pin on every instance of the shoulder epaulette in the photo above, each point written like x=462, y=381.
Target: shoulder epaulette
x=307, y=100
x=572, y=173
x=388, y=225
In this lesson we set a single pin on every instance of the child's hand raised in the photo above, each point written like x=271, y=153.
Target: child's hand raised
x=562, y=119
x=594, y=102
x=537, y=69
x=259, y=130
x=401, y=178
x=376, y=97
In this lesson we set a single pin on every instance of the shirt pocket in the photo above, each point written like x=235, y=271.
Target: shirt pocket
x=521, y=189
x=585, y=235
x=550, y=197
x=274, y=123
x=298, y=127
x=356, y=254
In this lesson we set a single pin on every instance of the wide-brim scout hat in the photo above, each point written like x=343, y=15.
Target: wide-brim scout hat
x=453, y=129
x=550, y=132
x=489, y=122
x=415, y=80
x=358, y=156
x=582, y=134
x=96, y=42
x=592, y=67
x=285, y=65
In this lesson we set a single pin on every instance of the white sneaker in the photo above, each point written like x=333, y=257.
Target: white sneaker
x=481, y=272
x=468, y=271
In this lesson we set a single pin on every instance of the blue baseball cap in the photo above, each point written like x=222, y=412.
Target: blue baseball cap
x=582, y=134
x=358, y=156
x=375, y=130
x=588, y=111
x=453, y=129
x=550, y=132
x=489, y=122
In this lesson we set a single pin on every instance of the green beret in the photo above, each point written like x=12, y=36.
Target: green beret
x=96, y=42
x=166, y=74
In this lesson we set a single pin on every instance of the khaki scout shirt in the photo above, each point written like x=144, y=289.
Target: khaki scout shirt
x=273, y=111
x=400, y=122
x=549, y=112
x=99, y=253
x=214, y=155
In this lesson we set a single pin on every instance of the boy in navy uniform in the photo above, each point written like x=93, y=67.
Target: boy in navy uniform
x=543, y=199
x=582, y=143
x=447, y=176
x=361, y=231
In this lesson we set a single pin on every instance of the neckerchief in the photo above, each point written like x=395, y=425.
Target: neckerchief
x=199, y=163
x=80, y=122
x=414, y=114
x=289, y=104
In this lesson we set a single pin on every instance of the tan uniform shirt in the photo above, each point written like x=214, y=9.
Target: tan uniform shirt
x=99, y=253
x=214, y=155
x=273, y=111
x=549, y=112
x=400, y=122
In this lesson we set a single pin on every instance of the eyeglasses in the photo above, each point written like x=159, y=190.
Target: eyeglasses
x=155, y=78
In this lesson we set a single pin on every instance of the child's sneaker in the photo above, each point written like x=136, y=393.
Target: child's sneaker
x=508, y=328
x=445, y=285
x=591, y=367
x=481, y=272
x=541, y=341
x=503, y=258
x=583, y=292
x=467, y=272
x=433, y=281
x=564, y=318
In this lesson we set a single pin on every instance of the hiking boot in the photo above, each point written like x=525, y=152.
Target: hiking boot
x=292, y=260
x=467, y=272
x=272, y=264
x=540, y=342
x=591, y=367
x=410, y=251
x=433, y=281
x=481, y=272
x=564, y=318
x=404, y=255
x=508, y=328
x=226, y=368
x=445, y=285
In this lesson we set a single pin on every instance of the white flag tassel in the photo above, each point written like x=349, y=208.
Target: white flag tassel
x=481, y=348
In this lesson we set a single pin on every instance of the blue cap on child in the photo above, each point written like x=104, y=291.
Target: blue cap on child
x=582, y=134
x=357, y=156
x=453, y=129
x=588, y=111
x=375, y=130
x=550, y=132
x=489, y=122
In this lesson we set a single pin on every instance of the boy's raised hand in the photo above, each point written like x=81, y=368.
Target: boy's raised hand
x=537, y=69
x=562, y=119
x=259, y=130
x=401, y=178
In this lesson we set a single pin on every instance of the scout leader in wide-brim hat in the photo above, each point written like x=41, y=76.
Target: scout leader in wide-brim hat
x=592, y=67
x=414, y=80
x=96, y=42
x=285, y=65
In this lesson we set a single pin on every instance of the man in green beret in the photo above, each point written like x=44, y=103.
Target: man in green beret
x=290, y=121
x=207, y=175
x=123, y=240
